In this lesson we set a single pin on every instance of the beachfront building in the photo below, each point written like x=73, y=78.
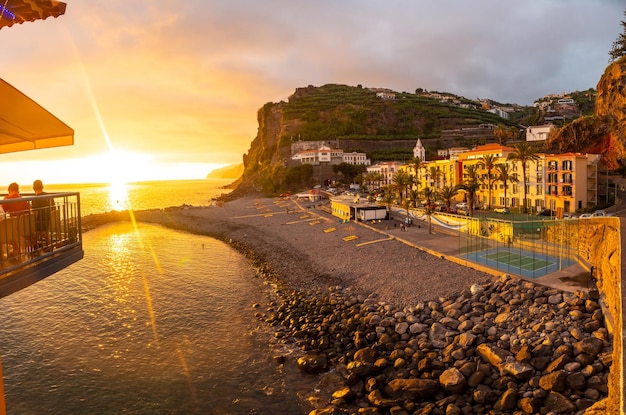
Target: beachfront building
x=566, y=182
x=571, y=180
x=437, y=174
x=354, y=208
x=387, y=170
x=475, y=157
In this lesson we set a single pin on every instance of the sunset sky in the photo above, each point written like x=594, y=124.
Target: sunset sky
x=170, y=89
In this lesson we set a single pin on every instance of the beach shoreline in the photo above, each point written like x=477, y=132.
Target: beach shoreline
x=390, y=328
x=305, y=247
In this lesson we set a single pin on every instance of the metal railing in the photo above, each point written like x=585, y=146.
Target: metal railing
x=49, y=226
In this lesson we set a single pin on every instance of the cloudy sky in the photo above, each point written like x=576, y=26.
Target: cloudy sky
x=173, y=87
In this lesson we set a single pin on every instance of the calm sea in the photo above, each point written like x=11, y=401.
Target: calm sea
x=151, y=321
x=99, y=198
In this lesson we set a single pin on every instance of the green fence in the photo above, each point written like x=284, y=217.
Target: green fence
x=531, y=248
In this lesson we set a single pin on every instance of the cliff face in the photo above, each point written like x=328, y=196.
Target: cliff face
x=605, y=131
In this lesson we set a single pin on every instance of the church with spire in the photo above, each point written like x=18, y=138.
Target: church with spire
x=419, y=150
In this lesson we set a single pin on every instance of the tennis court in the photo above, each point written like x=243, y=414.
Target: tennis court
x=520, y=262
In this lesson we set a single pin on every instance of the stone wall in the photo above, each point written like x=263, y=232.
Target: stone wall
x=600, y=245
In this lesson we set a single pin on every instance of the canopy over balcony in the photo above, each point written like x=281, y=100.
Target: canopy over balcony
x=20, y=11
x=25, y=125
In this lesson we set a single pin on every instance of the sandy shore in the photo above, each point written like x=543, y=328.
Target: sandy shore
x=298, y=242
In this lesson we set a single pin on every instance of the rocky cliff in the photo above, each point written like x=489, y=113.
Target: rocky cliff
x=605, y=131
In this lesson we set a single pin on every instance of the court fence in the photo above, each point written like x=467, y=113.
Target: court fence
x=530, y=248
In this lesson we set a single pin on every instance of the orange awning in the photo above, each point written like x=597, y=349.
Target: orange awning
x=26, y=125
x=20, y=11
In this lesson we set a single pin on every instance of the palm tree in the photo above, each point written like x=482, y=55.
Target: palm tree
x=429, y=194
x=447, y=193
x=415, y=164
x=413, y=197
x=504, y=175
x=433, y=173
x=373, y=178
x=388, y=199
x=524, y=152
x=500, y=132
x=488, y=162
x=471, y=184
x=401, y=181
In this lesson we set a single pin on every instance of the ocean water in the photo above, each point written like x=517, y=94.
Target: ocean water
x=99, y=198
x=151, y=321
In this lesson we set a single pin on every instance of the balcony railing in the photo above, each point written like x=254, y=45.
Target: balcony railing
x=37, y=242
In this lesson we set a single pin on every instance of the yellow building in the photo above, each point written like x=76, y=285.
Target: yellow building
x=476, y=157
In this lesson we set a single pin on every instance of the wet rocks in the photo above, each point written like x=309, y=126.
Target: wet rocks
x=505, y=347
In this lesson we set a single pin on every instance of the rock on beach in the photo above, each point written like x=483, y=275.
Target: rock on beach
x=408, y=332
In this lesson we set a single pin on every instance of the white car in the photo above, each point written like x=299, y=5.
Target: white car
x=585, y=216
x=461, y=205
x=501, y=210
x=600, y=213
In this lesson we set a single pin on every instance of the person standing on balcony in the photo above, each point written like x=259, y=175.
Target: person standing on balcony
x=15, y=209
x=42, y=208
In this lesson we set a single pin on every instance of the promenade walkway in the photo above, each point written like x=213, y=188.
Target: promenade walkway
x=443, y=242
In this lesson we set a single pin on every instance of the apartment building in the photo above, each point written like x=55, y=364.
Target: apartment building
x=566, y=181
x=571, y=180
x=437, y=174
x=387, y=171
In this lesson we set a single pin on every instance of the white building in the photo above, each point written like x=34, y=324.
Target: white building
x=356, y=158
x=387, y=170
x=539, y=132
x=500, y=113
x=326, y=154
x=386, y=95
x=419, y=150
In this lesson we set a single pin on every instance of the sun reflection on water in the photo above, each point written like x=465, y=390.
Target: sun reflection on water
x=118, y=196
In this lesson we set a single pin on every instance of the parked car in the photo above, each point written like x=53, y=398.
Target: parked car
x=546, y=212
x=461, y=205
x=585, y=216
x=600, y=213
x=502, y=210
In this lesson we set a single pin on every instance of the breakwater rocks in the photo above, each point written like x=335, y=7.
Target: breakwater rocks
x=507, y=347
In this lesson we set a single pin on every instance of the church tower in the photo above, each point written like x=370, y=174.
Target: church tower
x=419, y=150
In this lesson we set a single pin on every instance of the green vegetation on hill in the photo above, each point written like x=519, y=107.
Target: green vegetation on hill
x=385, y=129
x=333, y=112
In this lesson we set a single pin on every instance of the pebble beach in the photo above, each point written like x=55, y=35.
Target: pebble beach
x=392, y=329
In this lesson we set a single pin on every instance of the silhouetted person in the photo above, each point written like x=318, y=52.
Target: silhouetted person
x=42, y=207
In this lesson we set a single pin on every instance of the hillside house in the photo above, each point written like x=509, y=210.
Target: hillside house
x=539, y=132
